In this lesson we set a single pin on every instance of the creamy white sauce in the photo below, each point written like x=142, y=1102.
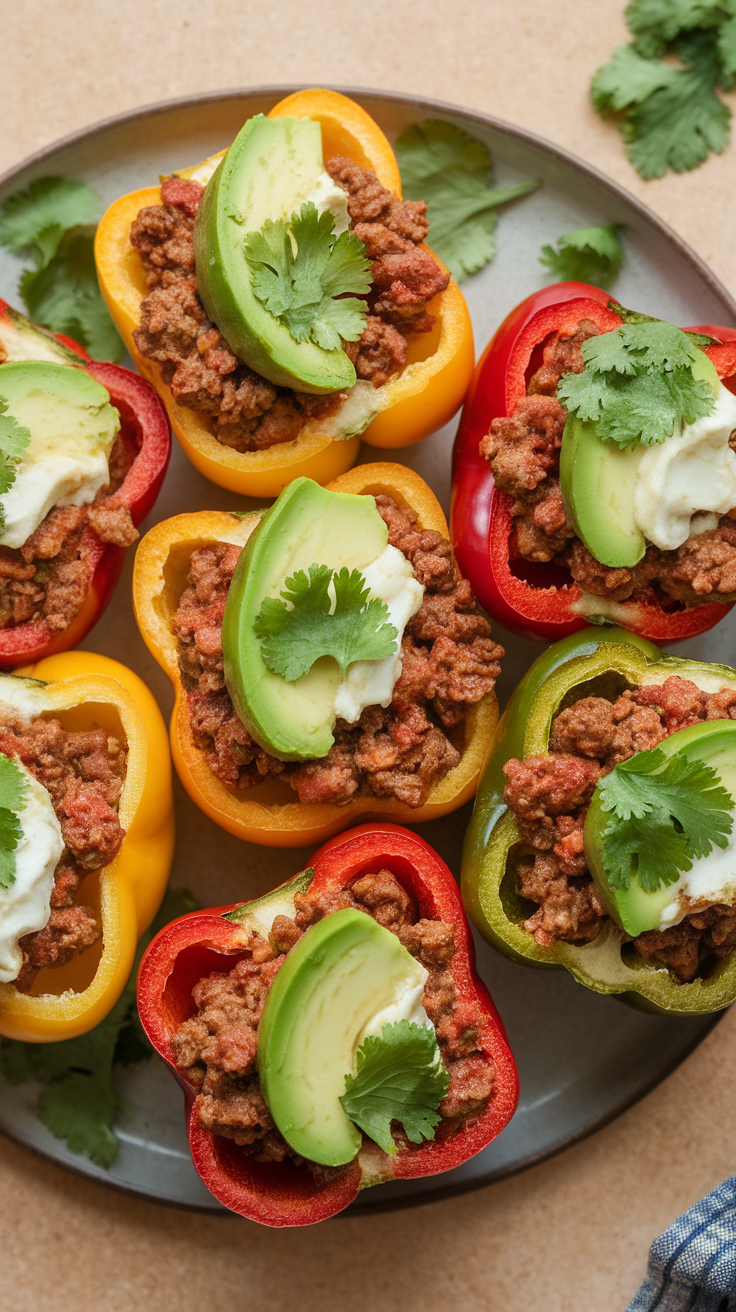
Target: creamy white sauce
x=712, y=880
x=407, y=1006
x=371, y=683
x=326, y=196
x=686, y=482
x=25, y=906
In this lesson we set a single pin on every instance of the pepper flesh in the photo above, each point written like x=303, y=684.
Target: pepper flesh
x=144, y=422
x=194, y=945
x=533, y=599
x=420, y=400
x=488, y=886
x=161, y=567
x=88, y=691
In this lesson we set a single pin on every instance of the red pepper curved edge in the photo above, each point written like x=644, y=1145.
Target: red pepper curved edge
x=143, y=419
x=280, y=1194
x=480, y=521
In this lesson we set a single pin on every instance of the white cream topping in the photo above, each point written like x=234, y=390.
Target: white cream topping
x=371, y=683
x=712, y=880
x=406, y=1006
x=686, y=482
x=326, y=196
x=25, y=906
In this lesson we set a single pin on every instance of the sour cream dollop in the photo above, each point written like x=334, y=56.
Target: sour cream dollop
x=687, y=482
x=371, y=683
x=326, y=196
x=26, y=905
x=711, y=881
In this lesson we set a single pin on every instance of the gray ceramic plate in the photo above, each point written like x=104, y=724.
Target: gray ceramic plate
x=582, y=1059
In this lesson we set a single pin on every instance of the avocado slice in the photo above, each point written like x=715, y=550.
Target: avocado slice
x=22, y=340
x=634, y=909
x=598, y=481
x=271, y=167
x=307, y=525
x=343, y=972
x=72, y=428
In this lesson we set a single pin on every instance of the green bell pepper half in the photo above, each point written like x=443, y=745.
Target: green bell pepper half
x=586, y=663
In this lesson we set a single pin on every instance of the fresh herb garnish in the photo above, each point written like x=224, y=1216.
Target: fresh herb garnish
x=13, y=789
x=450, y=170
x=14, y=439
x=307, y=289
x=637, y=385
x=399, y=1077
x=666, y=812
x=323, y=613
x=672, y=116
x=78, y=1102
x=592, y=255
x=54, y=221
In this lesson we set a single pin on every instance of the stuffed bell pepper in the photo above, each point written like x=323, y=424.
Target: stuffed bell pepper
x=331, y=1035
x=329, y=662
x=86, y=839
x=603, y=833
x=84, y=447
x=594, y=472
x=280, y=298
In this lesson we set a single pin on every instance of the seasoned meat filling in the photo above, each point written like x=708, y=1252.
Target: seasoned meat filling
x=523, y=451
x=216, y=1048
x=450, y=663
x=243, y=410
x=84, y=774
x=550, y=794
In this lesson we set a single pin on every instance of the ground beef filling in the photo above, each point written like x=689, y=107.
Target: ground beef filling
x=84, y=774
x=243, y=410
x=524, y=454
x=450, y=663
x=46, y=579
x=216, y=1048
x=549, y=796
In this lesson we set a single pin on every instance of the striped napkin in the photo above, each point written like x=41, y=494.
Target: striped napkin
x=692, y=1266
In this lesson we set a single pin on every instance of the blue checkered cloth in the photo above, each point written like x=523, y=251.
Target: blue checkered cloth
x=692, y=1266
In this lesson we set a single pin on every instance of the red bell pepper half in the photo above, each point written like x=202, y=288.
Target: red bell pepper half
x=533, y=599
x=282, y=1194
x=146, y=433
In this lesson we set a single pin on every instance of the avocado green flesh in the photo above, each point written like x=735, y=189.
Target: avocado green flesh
x=307, y=525
x=270, y=166
x=22, y=340
x=261, y=913
x=340, y=974
x=61, y=407
x=598, y=481
x=634, y=909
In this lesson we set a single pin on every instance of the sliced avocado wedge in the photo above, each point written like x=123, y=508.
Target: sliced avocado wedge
x=261, y=913
x=22, y=340
x=307, y=525
x=272, y=165
x=598, y=480
x=634, y=909
x=339, y=976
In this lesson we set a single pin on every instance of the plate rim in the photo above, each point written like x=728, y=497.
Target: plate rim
x=155, y=109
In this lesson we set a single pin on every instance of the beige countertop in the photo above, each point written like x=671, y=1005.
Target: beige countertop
x=574, y=1232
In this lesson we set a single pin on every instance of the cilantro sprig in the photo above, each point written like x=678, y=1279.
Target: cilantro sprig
x=54, y=221
x=323, y=613
x=399, y=1077
x=451, y=170
x=307, y=287
x=666, y=811
x=592, y=255
x=672, y=116
x=637, y=385
x=14, y=439
x=13, y=790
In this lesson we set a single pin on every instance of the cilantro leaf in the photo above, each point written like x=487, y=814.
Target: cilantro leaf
x=451, y=170
x=657, y=23
x=637, y=385
x=726, y=50
x=38, y=218
x=78, y=1102
x=64, y=295
x=677, y=126
x=627, y=79
x=13, y=789
x=592, y=255
x=324, y=613
x=14, y=439
x=301, y=288
x=399, y=1077
x=666, y=811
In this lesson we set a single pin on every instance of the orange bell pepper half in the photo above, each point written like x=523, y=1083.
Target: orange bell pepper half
x=265, y=814
x=423, y=397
